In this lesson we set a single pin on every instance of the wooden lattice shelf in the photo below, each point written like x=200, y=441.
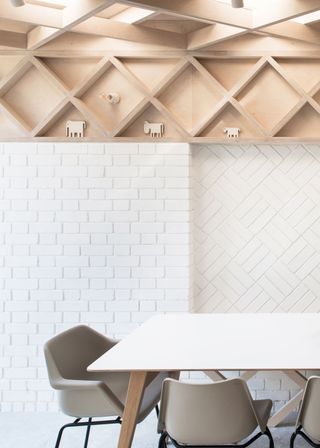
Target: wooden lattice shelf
x=196, y=97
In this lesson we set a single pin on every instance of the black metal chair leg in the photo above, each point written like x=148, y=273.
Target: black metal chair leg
x=87, y=433
x=157, y=410
x=302, y=434
x=268, y=433
x=59, y=437
x=162, y=440
x=164, y=436
x=292, y=439
x=61, y=431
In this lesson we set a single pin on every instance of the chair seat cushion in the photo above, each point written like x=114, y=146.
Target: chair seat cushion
x=98, y=402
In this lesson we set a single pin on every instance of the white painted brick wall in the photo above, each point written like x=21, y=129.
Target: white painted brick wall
x=101, y=234
x=89, y=233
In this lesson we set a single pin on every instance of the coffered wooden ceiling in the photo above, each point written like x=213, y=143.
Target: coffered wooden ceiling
x=183, y=24
x=197, y=66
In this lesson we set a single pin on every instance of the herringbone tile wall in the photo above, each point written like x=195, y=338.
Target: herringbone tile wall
x=256, y=228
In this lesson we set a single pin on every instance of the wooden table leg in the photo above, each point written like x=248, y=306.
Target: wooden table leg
x=283, y=412
x=175, y=374
x=247, y=374
x=292, y=404
x=214, y=375
x=136, y=388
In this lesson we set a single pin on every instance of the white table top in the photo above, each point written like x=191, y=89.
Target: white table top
x=218, y=342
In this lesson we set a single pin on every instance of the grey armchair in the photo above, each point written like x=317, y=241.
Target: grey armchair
x=308, y=420
x=83, y=394
x=214, y=414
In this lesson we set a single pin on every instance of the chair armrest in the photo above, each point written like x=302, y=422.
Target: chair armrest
x=65, y=383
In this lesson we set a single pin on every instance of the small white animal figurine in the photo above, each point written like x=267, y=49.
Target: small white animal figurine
x=112, y=98
x=154, y=129
x=75, y=128
x=232, y=132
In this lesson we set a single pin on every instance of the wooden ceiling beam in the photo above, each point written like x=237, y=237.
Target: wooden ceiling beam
x=33, y=14
x=133, y=15
x=97, y=26
x=113, y=10
x=212, y=34
x=13, y=39
x=15, y=27
x=295, y=31
x=76, y=12
x=310, y=19
x=130, y=32
x=48, y=3
x=271, y=12
x=152, y=15
x=208, y=11
x=40, y=35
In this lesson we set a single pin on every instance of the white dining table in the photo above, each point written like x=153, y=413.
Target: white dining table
x=213, y=343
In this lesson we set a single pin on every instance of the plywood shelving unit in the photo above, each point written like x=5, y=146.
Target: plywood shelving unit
x=195, y=76
x=194, y=97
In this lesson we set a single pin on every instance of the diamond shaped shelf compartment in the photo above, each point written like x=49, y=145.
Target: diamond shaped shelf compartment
x=32, y=97
x=152, y=115
x=58, y=128
x=305, y=124
x=7, y=64
x=190, y=98
x=8, y=128
x=149, y=72
x=71, y=71
x=227, y=71
x=230, y=117
x=268, y=97
x=112, y=114
x=305, y=71
x=316, y=97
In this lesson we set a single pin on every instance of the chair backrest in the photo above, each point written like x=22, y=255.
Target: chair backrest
x=69, y=353
x=207, y=414
x=309, y=413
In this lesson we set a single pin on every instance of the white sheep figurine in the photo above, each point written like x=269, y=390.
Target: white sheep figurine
x=75, y=128
x=232, y=132
x=154, y=129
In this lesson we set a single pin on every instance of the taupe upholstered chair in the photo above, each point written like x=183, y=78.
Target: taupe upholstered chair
x=215, y=414
x=83, y=394
x=308, y=420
